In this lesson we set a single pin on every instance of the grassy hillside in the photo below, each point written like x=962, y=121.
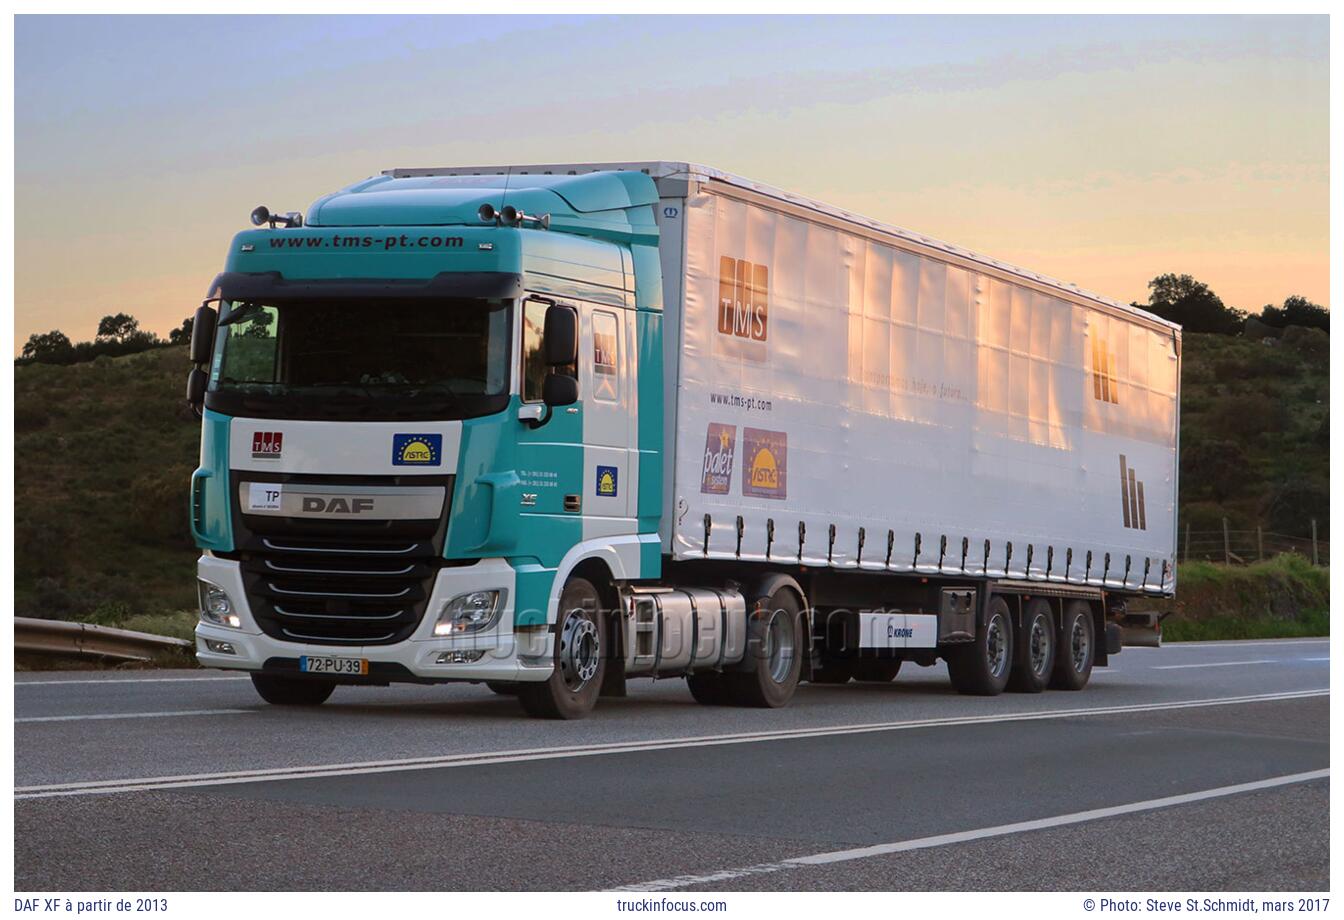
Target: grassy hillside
x=103, y=454
x=104, y=451
x=1255, y=433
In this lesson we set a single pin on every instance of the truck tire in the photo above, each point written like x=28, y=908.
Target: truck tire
x=876, y=670
x=774, y=654
x=982, y=667
x=1077, y=648
x=503, y=687
x=580, y=658
x=707, y=689
x=292, y=691
x=1035, y=642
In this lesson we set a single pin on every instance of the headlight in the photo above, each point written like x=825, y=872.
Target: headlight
x=470, y=613
x=216, y=608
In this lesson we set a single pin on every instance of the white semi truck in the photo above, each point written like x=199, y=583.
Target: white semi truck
x=552, y=427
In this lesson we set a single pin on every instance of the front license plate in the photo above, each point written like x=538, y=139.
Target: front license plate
x=322, y=665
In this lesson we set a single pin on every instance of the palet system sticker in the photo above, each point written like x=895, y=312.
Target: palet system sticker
x=417, y=449
x=716, y=475
x=606, y=481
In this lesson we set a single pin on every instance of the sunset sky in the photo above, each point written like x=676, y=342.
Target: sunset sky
x=1099, y=150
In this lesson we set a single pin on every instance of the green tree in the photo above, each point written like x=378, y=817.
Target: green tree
x=1296, y=311
x=118, y=327
x=182, y=334
x=49, y=348
x=1184, y=300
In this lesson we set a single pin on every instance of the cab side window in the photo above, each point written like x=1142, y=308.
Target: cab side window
x=606, y=358
x=534, y=355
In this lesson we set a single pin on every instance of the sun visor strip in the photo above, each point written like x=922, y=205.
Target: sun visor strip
x=272, y=287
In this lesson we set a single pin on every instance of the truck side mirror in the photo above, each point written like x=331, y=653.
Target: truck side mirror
x=561, y=337
x=203, y=334
x=559, y=390
x=196, y=381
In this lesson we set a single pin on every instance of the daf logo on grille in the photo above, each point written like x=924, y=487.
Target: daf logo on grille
x=334, y=502
x=313, y=504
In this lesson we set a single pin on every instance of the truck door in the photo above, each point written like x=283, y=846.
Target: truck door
x=604, y=383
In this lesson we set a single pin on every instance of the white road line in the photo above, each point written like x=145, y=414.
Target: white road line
x=1326, y=658
x=317, y=771
x=124, y=680
x=1233, y=643
x=1001, y=830
x=136, y=715
x=1210, y=664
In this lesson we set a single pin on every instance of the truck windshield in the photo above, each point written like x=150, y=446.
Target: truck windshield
x=394, y=359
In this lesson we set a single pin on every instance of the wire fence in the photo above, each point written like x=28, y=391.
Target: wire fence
x=1241, y=547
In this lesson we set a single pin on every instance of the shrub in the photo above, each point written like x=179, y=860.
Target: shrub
x=1293, y=503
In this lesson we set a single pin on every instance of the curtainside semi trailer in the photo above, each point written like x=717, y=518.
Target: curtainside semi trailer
x=553, y=427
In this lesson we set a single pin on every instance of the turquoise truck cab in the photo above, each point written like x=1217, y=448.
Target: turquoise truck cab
x=384, y=492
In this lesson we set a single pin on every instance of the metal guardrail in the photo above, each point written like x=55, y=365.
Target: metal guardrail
x=57, y=637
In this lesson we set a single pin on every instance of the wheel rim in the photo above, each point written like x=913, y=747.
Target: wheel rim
x=1080, y=645
x=779, y=638
x=1039, y=645
x=580, y=651
x=996, y=646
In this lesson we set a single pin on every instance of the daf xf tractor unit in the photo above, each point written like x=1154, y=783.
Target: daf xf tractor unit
x=554, y=427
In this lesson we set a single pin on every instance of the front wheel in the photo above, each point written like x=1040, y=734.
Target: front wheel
x=1077, y=648
x=981, y=668
x=292, y=691
x=774, y=653
x=580, y=658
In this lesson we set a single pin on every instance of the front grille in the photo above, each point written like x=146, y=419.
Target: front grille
x=342, y=583
x=339, y=592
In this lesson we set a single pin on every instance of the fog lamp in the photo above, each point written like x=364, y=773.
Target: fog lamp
x=459, y=656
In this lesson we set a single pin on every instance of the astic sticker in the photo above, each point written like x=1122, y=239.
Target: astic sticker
x=716, y=475
x=264, y=496
x=606, y=481
x=417, y=449
x=266, y=445
x=766, y=457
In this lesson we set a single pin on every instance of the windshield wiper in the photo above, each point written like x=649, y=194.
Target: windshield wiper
x=240, y=313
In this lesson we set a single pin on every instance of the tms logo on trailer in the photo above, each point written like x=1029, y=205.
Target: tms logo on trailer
x=743, y=309
x=1105, y=388
x=1131, y=498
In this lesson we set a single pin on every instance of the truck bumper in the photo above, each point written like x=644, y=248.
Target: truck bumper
x=497, y=653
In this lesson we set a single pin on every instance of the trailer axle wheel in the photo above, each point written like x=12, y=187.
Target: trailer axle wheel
x=981, y=668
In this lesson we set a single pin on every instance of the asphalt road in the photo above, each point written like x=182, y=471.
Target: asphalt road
x=1192, y=767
